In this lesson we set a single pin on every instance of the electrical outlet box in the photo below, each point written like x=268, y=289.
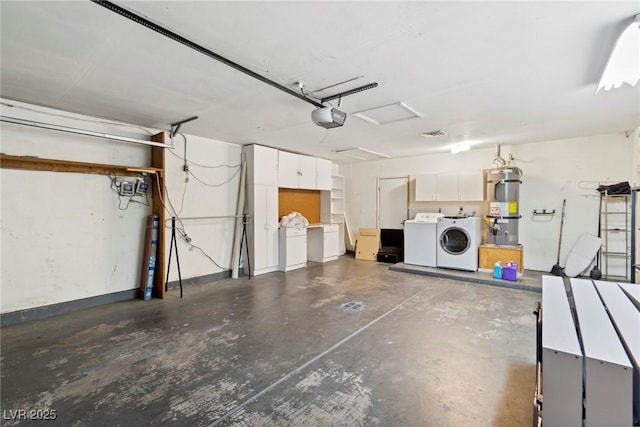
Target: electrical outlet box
x=143, y=186
x=126, y=188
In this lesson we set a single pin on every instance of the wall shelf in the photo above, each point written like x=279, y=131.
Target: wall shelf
x=68, y=166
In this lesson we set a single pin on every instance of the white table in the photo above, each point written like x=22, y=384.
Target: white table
x=608, y=374
x=561, y=358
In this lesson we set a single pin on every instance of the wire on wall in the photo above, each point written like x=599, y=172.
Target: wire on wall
x=168, y=206
x=127, y=199
x=191, y=162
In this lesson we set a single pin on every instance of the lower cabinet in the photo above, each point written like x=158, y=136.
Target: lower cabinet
x=293, y=248
x=323, y=243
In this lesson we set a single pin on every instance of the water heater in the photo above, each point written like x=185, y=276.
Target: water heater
x=503, y=192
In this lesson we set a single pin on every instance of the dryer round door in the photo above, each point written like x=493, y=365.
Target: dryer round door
x=455, y=241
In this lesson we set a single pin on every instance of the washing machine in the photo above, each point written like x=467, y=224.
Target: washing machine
x=458, y=241
x=421, y=239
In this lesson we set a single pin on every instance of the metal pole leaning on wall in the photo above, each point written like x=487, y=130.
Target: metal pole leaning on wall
x=238, y=231
x=174, y=242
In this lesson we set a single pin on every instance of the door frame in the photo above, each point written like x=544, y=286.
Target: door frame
x=378, y=179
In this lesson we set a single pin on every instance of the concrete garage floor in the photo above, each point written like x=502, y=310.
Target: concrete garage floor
x=279, y=350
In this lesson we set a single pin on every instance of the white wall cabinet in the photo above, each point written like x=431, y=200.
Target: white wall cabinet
x=288, y=170
x=450, y=187
x=471, y=186
x=447, y=186
x=268, y=169
x=262, y=165
x=323, y=174
x=296, y=171
x=304, y=172
x=426, y=189
x=262, y=207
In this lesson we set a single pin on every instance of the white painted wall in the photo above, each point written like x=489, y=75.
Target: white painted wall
x=213, y=236
x=552, y=171
x=63, y=236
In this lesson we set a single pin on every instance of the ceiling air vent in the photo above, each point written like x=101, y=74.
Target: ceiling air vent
x=434, y=133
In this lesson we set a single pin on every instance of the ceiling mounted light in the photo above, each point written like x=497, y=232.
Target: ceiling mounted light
x=460, y=147
x=623, y=65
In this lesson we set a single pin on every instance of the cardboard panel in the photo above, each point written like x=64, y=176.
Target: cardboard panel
x=307, y=202
x=368, y=244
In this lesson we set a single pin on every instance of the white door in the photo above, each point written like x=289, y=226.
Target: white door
x=393, y=202
x=271, y=226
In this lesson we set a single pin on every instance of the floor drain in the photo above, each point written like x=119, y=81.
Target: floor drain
x=353, y=306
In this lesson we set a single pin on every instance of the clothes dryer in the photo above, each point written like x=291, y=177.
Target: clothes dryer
x=458, y=242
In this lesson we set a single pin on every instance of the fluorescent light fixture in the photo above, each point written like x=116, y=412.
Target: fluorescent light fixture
x=460, y=147
x=624, y=63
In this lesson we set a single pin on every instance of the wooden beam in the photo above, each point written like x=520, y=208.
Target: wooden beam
x=54, y=165
x=157, y=162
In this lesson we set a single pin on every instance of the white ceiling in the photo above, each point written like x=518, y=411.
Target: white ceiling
x=485, y=72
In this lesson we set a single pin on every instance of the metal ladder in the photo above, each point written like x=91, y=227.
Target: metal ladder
x=615, y=231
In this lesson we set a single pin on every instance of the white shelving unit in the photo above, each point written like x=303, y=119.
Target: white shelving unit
x=337, y=209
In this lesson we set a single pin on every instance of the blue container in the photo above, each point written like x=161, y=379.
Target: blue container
x=497, y=270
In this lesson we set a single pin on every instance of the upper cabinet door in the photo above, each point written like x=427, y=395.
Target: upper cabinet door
x=288, y=169
x=307, y=174
x=447, y=186
x=464, y=186
x=323, y=174
x=262, y=165
x=471, y=186
x=297, y=171
x=426, y=188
